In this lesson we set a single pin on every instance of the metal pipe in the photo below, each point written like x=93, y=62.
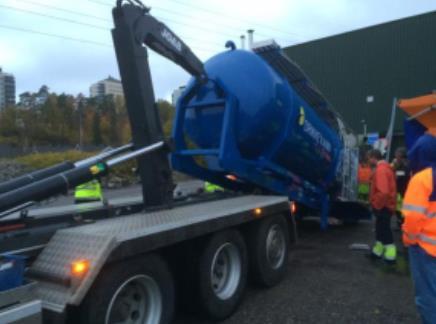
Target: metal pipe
x=250, y=33
x=242, y=41
x=59, y=168
x=104, y=155
x=134, y=154
x=17, y=209
x=61, y=182
x=34, y=176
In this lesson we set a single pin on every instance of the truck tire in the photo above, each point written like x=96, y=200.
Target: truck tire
x=222, y=274
x=136, y=291
x=269, y=249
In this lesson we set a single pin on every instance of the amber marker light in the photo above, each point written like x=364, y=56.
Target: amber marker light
x=258, y=212
x=293, y=207
x=79, y=268
x=231, y=177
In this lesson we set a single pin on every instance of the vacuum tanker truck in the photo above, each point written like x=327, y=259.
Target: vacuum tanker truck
x=249, y=121
x=259, y=124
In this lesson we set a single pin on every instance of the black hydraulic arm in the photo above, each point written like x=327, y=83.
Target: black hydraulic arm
x=156, y=35
x=58, y=168
x=135, y=29
x=60, y=182
x=35, y=176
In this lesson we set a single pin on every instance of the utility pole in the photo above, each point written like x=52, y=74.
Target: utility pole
x=390, y=133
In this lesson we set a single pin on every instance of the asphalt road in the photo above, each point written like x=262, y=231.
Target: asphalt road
x=327, y=282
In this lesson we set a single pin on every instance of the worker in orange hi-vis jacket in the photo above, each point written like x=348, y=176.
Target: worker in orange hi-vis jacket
x=419, y=228
x=382, y=197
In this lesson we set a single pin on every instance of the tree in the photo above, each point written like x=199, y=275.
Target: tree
x=8, y=126
x=166, y=113
x=96, y=130
x=66, y=119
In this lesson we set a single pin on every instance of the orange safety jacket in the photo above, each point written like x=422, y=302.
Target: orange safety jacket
x=383, y=193
x=419, y=210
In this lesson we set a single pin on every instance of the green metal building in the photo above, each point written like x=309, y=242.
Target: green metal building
x=360, y=72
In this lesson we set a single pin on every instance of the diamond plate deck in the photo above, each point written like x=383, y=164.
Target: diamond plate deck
x=96, y=242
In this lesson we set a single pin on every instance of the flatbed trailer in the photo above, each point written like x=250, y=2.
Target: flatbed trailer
x=172, y=238
x=176, y=237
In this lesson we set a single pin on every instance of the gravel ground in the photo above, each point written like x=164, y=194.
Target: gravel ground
x=327, y=282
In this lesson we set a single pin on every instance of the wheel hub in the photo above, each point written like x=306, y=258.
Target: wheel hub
x=275, y=246
x=137, y=301
x=226, y=270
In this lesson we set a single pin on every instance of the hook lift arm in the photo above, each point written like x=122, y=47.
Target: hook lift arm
x=135, y=28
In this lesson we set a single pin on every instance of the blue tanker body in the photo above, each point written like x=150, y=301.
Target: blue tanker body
x=247, y=120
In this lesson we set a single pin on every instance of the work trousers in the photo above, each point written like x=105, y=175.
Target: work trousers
x=383, y=232
x=423, y=268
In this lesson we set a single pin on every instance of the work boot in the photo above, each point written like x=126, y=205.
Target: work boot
x=377, y=250
x=390, y=254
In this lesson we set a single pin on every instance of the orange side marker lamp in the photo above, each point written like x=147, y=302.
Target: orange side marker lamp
x=79, y=268
x=293, y=207
x=257, y=212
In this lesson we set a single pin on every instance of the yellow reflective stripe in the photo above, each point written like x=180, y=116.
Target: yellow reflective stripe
x=415, y=208
x=421, y=237
x=419, y=209
x=427, y=239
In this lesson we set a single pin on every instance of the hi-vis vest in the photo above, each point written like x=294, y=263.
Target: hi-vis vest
x=89, y=191
x=211, y=187
x=419, y=210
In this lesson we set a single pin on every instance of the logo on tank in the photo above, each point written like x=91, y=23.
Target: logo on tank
x=302, y=117
x=315, y=134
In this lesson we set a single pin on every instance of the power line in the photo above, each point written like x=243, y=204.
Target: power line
x=79, y=23
x=218, y=13
x=79, y=14
x=93, y=17
x=65, y=10
x=32, y=31
x=52, y=17
x=173, y=21
x=63, y=37
x=205, y=20
x=196, y=27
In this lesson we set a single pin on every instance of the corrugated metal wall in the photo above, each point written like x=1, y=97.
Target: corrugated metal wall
x=395, y=59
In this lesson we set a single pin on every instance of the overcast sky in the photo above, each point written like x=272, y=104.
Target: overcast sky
x=70, y=66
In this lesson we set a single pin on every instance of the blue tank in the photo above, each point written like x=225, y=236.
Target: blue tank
x=255, y=120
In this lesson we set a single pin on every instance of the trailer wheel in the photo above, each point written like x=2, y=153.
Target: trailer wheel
x=222, y=274
x=139, y=291
x=269, y=248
